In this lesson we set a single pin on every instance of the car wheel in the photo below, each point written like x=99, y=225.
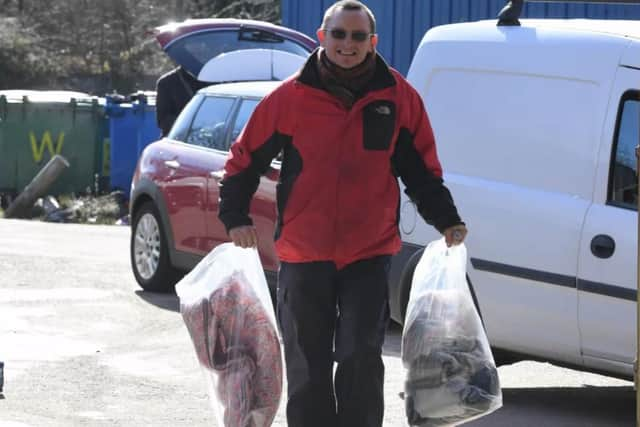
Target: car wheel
x=150, y=252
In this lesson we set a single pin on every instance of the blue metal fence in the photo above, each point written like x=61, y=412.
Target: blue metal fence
x=402, y=23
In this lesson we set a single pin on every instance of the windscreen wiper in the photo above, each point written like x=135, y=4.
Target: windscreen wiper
x=257, y=35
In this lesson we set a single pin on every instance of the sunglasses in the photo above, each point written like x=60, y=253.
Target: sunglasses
x=356, y=36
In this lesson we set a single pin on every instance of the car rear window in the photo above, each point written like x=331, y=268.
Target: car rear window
x=196, y=50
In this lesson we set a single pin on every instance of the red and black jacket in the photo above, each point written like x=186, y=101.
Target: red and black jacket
x=338, y=195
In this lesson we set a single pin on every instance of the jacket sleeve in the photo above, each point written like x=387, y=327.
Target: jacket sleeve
x=166, y=112
x=249, y=158
x=415, y=160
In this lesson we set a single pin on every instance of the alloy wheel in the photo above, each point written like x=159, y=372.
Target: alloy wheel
x=147, y=246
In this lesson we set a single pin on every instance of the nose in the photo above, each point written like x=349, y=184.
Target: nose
x=348, y=42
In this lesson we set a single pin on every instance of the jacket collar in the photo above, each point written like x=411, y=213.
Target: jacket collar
x=382, y=78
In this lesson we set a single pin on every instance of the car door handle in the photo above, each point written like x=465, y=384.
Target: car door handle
x=217, y=175
x=172, y=164
x=603, y=246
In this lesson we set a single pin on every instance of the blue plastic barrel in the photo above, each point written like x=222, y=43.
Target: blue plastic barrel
x=132, y=126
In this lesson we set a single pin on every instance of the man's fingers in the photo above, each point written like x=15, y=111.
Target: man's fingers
x=249, y=237
x=242, y=240
x=455, y=235
x=253, y=237
x=246, y=239
x=245, y=236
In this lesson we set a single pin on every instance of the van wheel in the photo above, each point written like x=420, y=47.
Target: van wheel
x=405, y=283
x=405, y=286
x=150, y=252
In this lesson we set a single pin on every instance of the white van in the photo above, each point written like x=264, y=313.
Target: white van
x=536, y=126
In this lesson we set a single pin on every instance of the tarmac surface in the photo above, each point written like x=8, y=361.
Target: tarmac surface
x=83, y=345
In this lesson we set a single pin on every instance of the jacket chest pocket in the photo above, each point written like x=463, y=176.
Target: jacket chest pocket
x=378, y=124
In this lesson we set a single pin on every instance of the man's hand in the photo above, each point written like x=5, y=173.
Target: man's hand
x=455, y=234
x=244, y=236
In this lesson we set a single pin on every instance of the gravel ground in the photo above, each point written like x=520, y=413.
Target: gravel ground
x=107, y=209
x=83, y=345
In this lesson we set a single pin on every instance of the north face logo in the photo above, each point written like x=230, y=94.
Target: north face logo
x=383, y=109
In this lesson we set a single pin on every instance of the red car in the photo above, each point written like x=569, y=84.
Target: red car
x=174, y=192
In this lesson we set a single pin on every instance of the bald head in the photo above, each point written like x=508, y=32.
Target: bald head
x=354, y=5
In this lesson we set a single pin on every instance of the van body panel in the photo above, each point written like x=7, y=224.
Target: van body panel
x=622, y=370
x=527, y=229
x=526, y=122
x=625, y=28
x=526, y=50
x=607, y=287
x=524, y=119
x=631, y=55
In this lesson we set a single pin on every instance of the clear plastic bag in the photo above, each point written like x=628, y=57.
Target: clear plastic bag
x=451, y=377
x=226, y=306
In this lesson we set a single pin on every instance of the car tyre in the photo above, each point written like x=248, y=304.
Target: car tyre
x=150, y=251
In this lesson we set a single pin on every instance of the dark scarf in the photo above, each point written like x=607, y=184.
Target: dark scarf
x=346, y=84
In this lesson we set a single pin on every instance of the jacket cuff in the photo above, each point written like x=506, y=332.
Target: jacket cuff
x=235, y=220
x=449, y=222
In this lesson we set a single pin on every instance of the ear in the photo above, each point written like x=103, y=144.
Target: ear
x=374, y=40
x=320, y=34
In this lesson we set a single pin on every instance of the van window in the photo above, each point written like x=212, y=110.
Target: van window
x=246, y=109
x=624, y=173
x=209, y=128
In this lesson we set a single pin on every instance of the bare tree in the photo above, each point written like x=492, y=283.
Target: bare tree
x=99, y=45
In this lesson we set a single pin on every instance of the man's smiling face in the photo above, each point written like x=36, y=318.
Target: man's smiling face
x=347, y=52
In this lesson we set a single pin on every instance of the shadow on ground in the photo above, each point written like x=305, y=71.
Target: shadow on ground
x=586, y=406
x=165, y=301
x=392, y=340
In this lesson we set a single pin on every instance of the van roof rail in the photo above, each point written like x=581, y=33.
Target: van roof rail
x=509, y=14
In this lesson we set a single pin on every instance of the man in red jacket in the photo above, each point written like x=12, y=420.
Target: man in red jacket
x=348, y=126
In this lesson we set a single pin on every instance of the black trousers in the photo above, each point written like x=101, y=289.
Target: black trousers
x=328, y=315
